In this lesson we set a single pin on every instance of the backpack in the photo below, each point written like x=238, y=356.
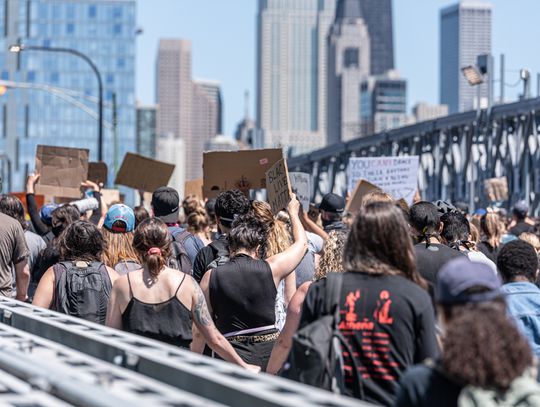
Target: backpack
x=523, y=392
x=82, y=289
x=179, y=259
x=222, y=255
x=317, y=348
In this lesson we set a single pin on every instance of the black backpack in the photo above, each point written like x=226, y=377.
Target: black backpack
x=179, y=259
x=82, y=289
x=317, y=348
x=222, y=255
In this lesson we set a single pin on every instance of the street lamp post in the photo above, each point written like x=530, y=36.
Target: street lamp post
x=21, y=47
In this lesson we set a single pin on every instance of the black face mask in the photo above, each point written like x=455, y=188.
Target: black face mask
x=326, y=222
x=57, y=230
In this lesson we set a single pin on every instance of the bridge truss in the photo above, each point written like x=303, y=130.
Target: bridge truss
x=457, y=154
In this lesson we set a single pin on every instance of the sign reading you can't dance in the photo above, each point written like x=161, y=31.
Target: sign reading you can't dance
x=397, y=176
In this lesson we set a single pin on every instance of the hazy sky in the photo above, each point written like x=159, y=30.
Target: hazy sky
x=223, y=37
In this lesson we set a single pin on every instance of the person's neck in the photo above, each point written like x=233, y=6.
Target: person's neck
x=520, y=279
x=252, y=254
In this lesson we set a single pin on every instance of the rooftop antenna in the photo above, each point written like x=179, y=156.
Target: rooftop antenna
x=246, y=105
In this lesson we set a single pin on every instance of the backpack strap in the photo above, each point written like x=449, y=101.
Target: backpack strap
x=180, y=235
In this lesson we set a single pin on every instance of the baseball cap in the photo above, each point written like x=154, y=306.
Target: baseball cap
x=332, y=203
x=521, y=207
x=45, y=213
x=166, y=204
x=120, y=213
x=459, y=275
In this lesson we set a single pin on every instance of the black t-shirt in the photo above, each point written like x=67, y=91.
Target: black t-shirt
x=425, y=386
x=430, y=260
x=207, y=255
x=521, y=227
x=389, y=324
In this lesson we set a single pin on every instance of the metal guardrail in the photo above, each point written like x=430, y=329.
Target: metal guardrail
x=82, y=380
x=208, y=378
x=457, y=154
x=15, y=392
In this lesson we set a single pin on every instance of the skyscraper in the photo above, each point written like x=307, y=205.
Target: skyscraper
x=348, y=64
x=59, y=103
x=146, y=130
x=377, y=15
x=465, y=34
x=206, y=123
x=174, y=88
x=291, y=72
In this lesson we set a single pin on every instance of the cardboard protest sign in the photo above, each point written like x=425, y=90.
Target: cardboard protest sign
x=301, y=186
x=224, y=170
x=143, y=173
x=362, y=188
x=397, y=176
x=40, y=199
x=496, y=189
x=98, y=172
x=110, y=196
x=278, y=186
x=194, y=187
x=62, y=171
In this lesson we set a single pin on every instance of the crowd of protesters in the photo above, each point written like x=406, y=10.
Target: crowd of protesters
x=421, y=305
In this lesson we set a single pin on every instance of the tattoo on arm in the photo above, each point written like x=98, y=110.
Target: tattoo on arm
x=200, y=309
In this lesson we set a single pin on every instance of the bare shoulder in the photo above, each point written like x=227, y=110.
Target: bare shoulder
x=113, y=275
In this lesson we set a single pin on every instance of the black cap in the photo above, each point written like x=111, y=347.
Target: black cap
x=166, y=204
x=332, y=203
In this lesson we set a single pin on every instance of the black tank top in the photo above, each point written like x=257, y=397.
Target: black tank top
x=243, y=295
x=168, y=321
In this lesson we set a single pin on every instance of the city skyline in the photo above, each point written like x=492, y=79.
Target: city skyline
x=416, y=34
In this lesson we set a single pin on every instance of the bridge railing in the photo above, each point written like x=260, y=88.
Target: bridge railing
x=457, y=154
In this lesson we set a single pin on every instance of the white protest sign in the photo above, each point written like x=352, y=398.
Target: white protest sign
x=301, y=186
x=397, y=176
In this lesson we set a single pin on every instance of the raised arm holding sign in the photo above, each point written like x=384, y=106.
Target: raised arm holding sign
x=278, y=186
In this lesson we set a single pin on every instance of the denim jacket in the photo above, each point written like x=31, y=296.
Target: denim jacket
x=523, y=301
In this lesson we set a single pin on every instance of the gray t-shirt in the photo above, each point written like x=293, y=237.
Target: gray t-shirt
x=13, y=250
x=306, y=268
x=35, y=245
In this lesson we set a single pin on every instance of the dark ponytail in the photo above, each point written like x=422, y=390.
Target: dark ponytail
x=152, y=241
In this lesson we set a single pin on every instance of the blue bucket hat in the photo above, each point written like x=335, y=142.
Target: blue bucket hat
x=120, y=213
x=45, y=213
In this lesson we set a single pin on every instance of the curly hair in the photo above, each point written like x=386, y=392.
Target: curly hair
x=230, y=204
x=379, y=243
x=424, y=219
x=248, y=232
x=332, y=258
x=484, y=348
x=279, y=237
x=81, y=240
x=62, y=217
x=191, y=204
x=153, y=233
x=517, y=259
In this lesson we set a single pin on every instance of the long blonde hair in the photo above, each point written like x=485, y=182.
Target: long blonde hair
x=492, y=229
x=279, y=237
x=118, y=248
x=332, y=258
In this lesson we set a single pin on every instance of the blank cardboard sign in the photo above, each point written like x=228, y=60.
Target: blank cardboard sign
x=62, y=170
x=362, y=188
x=143, y=173
x=97, y=172
x=194, y=187
x=224, y=170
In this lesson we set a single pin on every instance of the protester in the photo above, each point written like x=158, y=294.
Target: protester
x=210, y=208
x=521, y=223
x=518, y=266
x=80, y=284
x=190, y=204
x=456, y=233
x=13, y=255
x=532, y=239
x=484, y=357
x=141, y=214
x=40, y=219
x=62, y=217
x=166, y=207
x=431, y=255
x=386, y=314
x=159, y=303
x=117, y=231
x=331, y=262
x=198, y=225
x=332, y=209
x=13, y=207
x=229, y=205
x=242, y=293
x=490, y=244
